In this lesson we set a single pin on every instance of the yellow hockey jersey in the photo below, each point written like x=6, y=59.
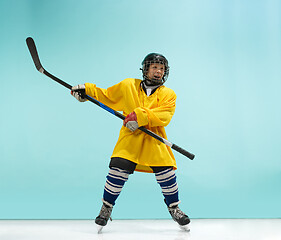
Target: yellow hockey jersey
x=154, y=112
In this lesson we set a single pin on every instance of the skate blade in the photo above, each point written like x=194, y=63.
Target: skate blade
x=185, y=228
x=99, y=228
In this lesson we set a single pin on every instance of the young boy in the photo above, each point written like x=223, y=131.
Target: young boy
x=145, y=103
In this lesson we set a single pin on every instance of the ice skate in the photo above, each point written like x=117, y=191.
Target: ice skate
x=180, y=217
x=104, y=216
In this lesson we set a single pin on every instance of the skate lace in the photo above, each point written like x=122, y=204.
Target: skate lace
x=106, y=213
x=178, y=213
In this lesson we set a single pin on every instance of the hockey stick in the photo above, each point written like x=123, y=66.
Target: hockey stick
x=34, y=54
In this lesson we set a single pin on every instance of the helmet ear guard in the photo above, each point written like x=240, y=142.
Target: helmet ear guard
x=155, y=58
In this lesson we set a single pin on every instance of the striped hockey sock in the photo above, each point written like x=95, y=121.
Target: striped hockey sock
x=116, y=179
x=169, y=186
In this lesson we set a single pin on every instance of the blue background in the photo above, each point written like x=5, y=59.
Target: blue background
x=225, y=61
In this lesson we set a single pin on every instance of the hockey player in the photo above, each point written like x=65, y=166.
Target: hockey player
x=145, y=103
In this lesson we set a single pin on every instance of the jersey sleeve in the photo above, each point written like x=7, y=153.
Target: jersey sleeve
x=159, y=116
x=112, y=96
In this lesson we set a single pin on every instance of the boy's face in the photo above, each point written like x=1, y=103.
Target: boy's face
x=156, y=71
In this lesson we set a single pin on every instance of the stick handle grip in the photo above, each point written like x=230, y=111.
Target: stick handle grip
x=182, y=151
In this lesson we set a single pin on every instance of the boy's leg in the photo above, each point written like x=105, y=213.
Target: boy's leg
x=166, y=178
x=116, y=178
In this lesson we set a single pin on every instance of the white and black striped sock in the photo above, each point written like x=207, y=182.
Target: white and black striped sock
x=167, y=181
x=116, y=179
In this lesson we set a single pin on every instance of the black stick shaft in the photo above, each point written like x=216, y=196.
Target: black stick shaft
x=33, y=51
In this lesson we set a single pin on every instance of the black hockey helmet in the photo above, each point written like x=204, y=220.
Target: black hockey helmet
x=155, y=58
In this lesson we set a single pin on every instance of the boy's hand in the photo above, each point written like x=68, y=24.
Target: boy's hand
x=78, y=92
x=131, y=121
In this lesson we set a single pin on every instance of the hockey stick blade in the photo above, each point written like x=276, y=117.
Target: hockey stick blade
x=34, y=54
x=35, y=57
